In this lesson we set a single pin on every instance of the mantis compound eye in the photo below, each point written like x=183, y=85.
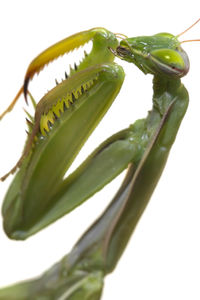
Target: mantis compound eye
x=171, y=62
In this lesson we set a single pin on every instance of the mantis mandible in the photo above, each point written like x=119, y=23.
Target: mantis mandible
x=64, y=118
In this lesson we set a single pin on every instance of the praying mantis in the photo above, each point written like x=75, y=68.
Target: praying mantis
x=64, y=118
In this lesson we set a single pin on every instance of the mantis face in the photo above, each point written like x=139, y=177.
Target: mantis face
x=157, y=54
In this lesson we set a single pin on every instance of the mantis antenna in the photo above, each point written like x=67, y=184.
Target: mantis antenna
x=186, y=41
x=193, y=40
x=186, y=30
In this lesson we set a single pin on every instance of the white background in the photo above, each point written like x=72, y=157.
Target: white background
x=162, y=260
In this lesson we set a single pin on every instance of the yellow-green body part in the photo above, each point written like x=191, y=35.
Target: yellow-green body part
x=64, y=118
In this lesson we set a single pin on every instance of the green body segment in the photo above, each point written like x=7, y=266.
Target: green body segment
x=146, y=177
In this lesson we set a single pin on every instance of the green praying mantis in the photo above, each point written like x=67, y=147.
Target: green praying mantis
x=64, y=118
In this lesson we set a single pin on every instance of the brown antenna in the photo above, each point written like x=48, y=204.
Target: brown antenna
x=187, y=41
x=188, y=29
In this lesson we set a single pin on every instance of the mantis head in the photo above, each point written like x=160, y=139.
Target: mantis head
x=160, y=53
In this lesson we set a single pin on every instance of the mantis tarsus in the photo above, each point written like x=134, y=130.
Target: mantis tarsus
x=63, y=120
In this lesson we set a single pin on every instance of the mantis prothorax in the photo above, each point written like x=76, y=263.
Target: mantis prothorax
x=64, y=118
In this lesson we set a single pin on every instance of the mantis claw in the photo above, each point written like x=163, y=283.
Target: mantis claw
x=61, y=48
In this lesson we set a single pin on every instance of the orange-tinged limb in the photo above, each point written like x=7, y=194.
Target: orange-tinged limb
x=10, y=107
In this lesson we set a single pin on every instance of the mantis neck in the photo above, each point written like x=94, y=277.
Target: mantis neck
x=165, y=91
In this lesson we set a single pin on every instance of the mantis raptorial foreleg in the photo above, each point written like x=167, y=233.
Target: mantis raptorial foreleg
x=82, y=118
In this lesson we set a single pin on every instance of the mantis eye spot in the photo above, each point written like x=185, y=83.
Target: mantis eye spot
x=172, y=62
